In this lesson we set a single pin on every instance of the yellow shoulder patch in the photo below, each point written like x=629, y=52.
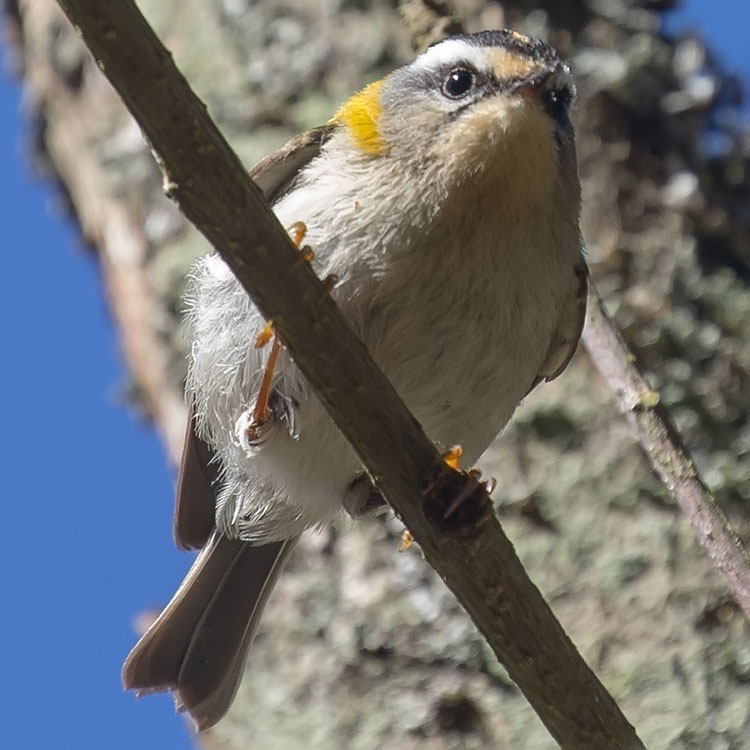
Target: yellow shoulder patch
x=361, y=114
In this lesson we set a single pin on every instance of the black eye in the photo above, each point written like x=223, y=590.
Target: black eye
x=458, y=83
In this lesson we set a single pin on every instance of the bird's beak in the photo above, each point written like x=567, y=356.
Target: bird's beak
x=553, y=76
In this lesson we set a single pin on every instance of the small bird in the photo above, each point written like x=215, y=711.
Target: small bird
x=445, y=198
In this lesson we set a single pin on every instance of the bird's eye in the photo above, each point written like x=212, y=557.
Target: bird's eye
x=458, y=83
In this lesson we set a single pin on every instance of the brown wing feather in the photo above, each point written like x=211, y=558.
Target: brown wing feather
x=196, y=487
x=197, y=482
x=568, y=333
x=274, y=174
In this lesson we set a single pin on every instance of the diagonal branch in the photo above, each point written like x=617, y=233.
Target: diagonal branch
x=470, y=552
x=665, y=450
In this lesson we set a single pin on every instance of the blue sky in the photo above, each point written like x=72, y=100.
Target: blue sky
x=88, y=496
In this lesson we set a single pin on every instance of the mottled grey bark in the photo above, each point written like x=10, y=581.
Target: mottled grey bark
x=362, y=647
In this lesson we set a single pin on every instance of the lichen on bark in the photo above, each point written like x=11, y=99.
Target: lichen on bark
x=365, y=648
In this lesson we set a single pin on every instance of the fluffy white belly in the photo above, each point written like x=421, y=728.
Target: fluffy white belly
x=461, y=351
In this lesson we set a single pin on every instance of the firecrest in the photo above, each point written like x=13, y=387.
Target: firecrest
x=445, y=198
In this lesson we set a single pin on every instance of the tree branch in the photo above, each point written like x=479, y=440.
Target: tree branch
x=471, y=552
x=665, y=450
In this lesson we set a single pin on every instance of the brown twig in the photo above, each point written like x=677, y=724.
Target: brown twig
x=665, y=450
x=469, y=550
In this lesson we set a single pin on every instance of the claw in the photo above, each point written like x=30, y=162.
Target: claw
x=265, y=335
x=252, y=433
x=407, y=539
x=452, y=457
x=299, y=230
x=330, y=281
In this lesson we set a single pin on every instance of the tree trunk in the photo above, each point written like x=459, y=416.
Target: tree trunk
x=365, y=648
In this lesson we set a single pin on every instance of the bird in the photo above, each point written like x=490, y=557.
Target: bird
x=445, y=199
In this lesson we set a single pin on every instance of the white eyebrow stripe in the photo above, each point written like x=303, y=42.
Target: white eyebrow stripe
x=452, y=51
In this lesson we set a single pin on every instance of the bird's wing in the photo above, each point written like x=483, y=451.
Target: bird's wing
x=196, y=487
x=568, y=332
x=199, y=471
x=276, y=173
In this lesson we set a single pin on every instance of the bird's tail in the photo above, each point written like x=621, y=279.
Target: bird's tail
x=197, y=646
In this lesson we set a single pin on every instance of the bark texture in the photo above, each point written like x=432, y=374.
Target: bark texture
x=365, y=648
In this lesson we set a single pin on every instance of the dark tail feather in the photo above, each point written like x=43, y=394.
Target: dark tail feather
x=198, y=644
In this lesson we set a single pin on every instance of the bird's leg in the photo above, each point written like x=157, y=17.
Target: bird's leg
x=254, y=426
x=261, y=412
x=361, y=498
x=255, y=430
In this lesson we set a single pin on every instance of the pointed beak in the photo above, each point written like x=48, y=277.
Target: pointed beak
x=552, y=76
